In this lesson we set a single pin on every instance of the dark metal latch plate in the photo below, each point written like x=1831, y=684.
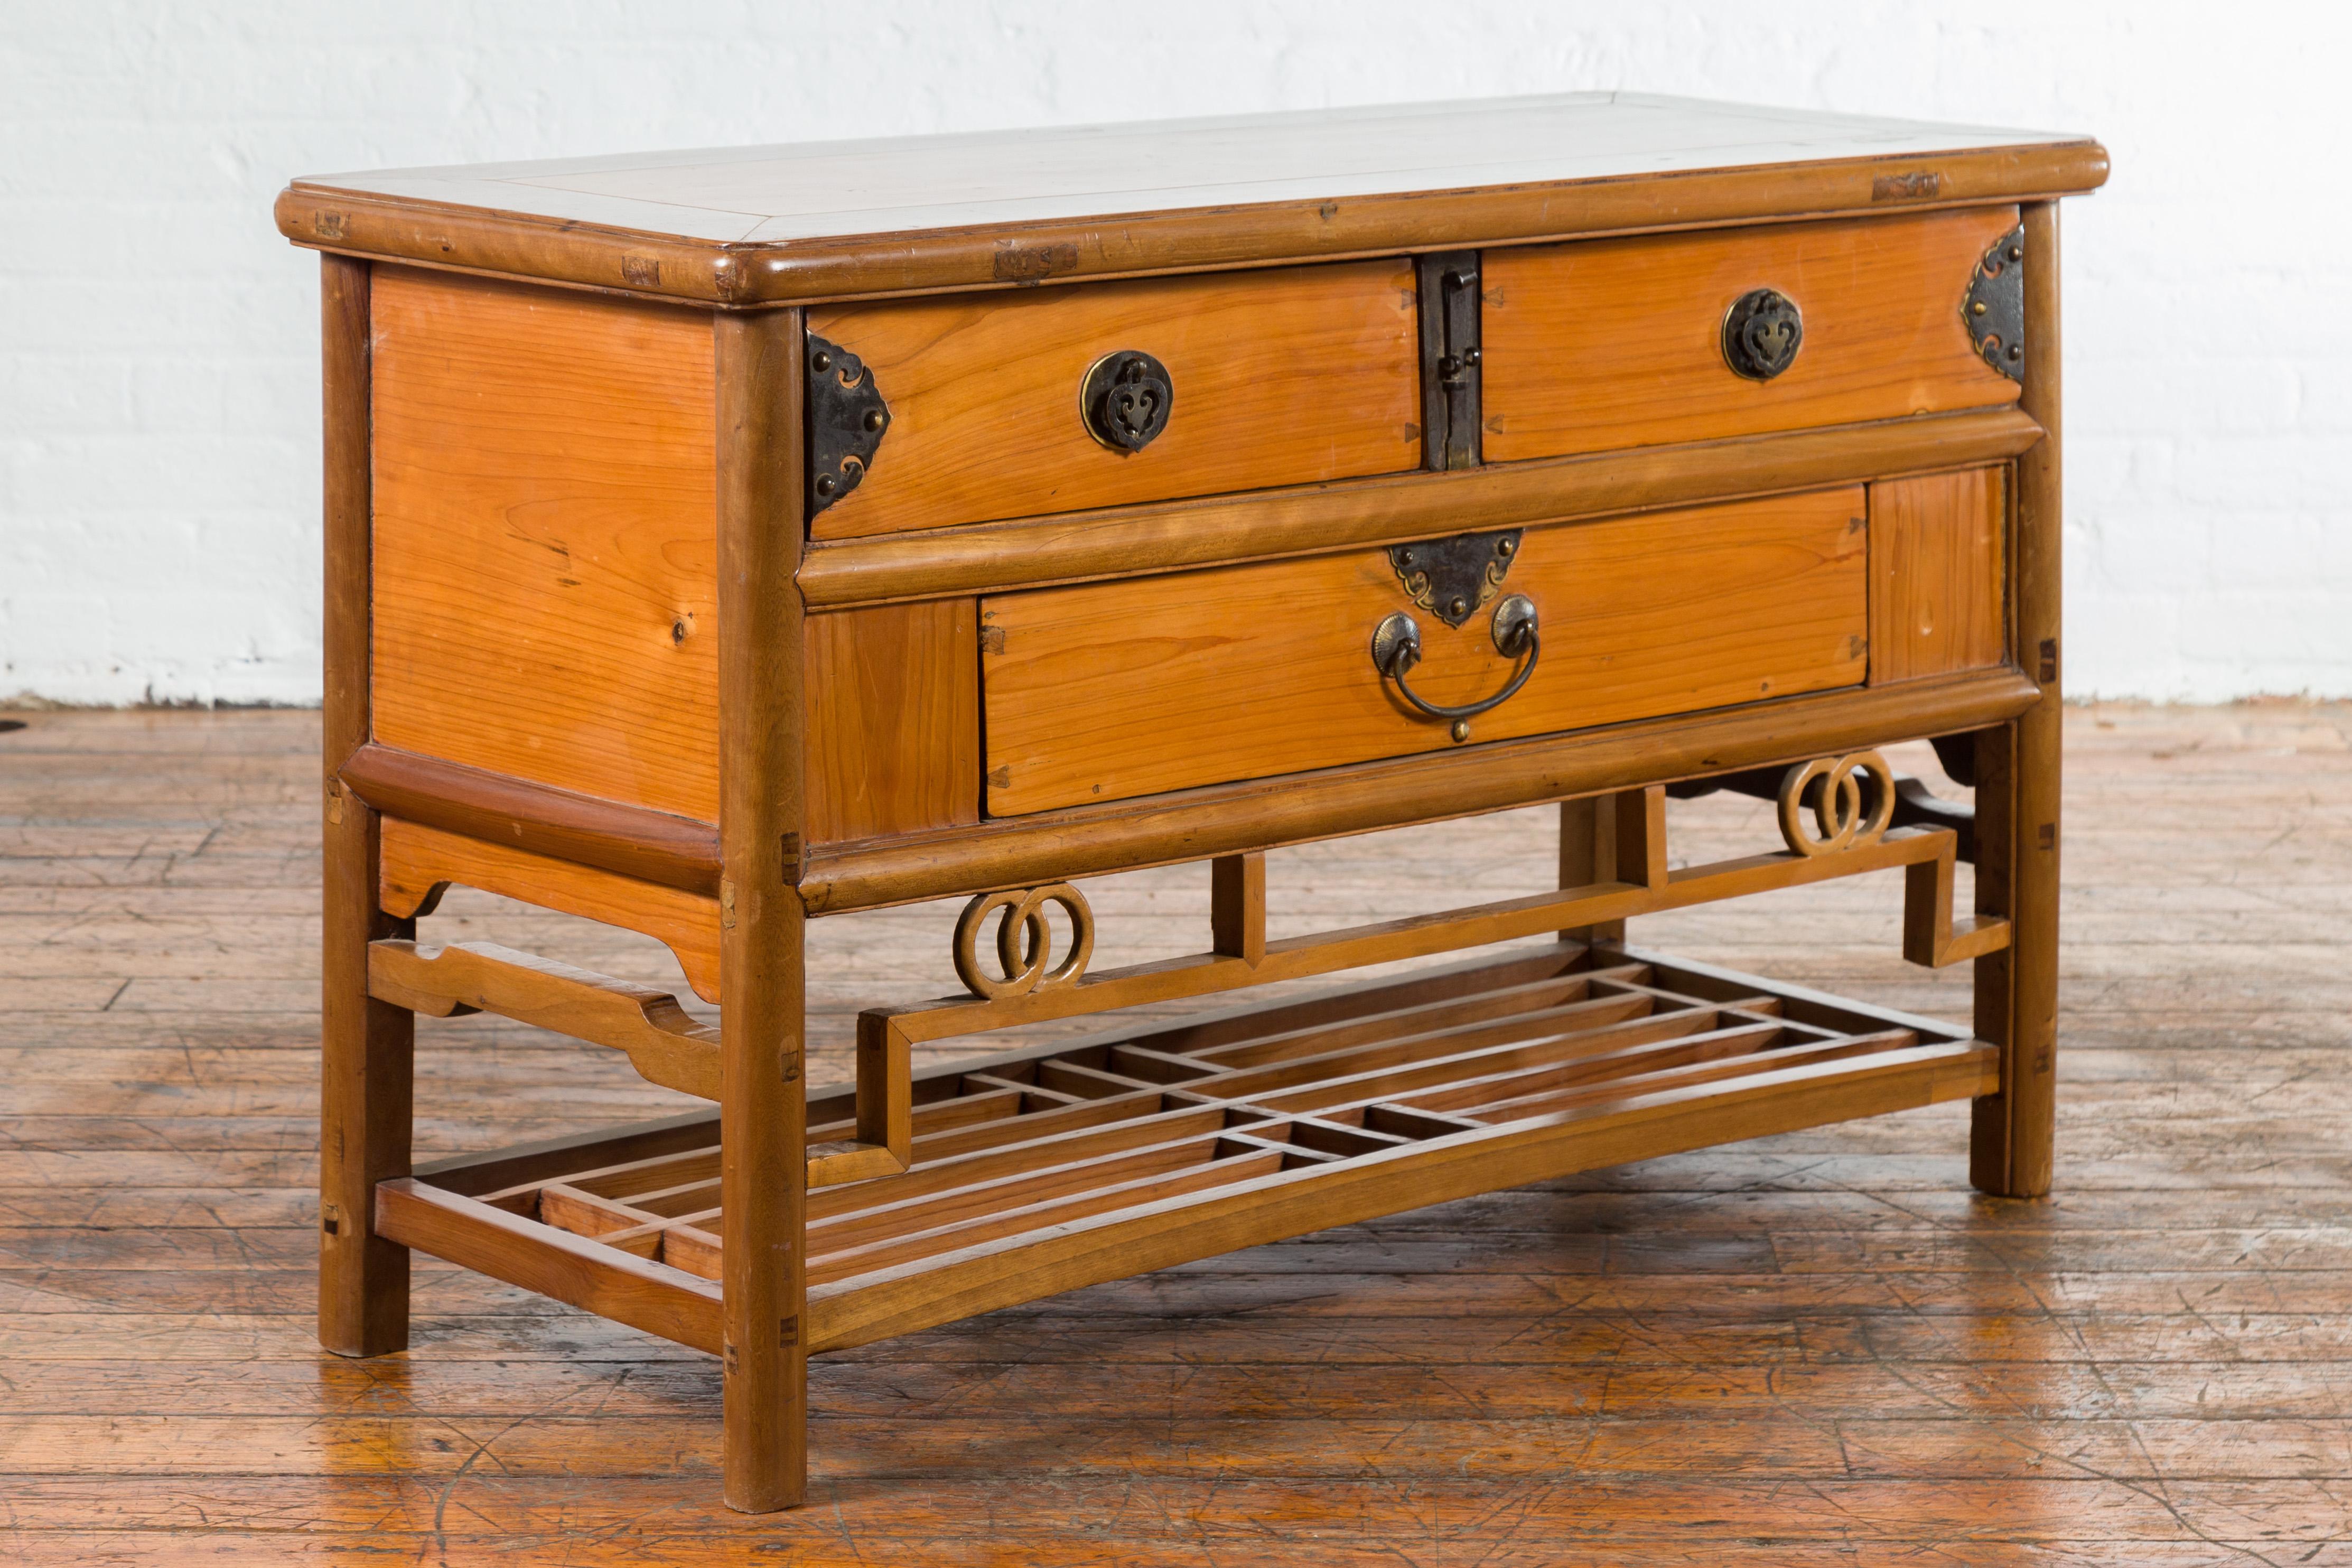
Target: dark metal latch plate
x=1994, y=310
x=846, y=419
x=1454, y=578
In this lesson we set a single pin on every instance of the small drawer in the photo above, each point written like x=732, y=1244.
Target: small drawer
x=1107, y=690
x=1608, y=343
x=1280, y=377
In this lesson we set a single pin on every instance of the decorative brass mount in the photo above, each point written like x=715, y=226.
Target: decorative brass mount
x=847, y=418
x=1994, y=310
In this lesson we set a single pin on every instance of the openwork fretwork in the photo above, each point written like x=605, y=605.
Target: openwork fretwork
x=1038, y=1171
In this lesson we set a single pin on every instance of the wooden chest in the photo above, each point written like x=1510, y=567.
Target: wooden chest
x=717, y=541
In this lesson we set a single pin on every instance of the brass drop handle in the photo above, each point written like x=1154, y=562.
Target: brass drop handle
x=1396, y=649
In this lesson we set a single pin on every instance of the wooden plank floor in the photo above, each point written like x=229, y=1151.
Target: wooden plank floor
x=1805, y=1350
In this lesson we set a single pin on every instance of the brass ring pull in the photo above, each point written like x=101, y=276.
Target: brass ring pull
x=1396, y=649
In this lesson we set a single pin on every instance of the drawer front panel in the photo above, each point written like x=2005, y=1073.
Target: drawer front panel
x=1110, y=690
x=1280, y=377
x=1619, y=342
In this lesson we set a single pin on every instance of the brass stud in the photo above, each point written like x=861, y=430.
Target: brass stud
x=1978, y=309
x=874, y=419
x=824, y=484
x=1459, y=605
x=1503, y=546
x=1461, y=730
x=2017, y=253
x=820, y=361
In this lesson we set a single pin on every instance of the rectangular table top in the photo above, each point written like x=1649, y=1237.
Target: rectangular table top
x=829, y=218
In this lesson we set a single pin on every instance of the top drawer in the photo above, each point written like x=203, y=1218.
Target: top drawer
x=1281, y=378
x=1619, y=343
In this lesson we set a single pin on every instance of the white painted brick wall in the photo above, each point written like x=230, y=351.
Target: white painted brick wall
x=158, y=404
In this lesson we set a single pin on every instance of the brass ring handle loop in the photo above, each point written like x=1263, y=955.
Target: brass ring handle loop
x=1396, y=649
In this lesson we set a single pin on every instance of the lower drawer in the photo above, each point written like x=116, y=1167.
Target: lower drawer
x=1113, y=689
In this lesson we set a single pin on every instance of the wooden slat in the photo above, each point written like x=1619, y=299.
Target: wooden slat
x=601, y=1279
x=1215, y=530
x=664, y=1043
x=913, y=1296
x=1199, y=824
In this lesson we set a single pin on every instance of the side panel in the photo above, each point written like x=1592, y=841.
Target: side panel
x=545, y=544
x=1937, y=545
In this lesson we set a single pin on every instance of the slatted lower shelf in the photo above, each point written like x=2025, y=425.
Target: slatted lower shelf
x=1045, y=1170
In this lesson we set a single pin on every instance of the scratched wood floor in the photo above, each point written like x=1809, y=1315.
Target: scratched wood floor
x=1805, y=1350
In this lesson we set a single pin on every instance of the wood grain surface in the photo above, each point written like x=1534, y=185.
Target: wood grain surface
x=1103, y=692
x=1813, y=1348
x=1017, y=207
x=894, y=719
x=544, y=549
x=1619, y=342
x=1939, y=545
x=1283, y=377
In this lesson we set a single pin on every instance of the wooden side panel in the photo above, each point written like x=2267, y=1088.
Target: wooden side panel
x=1936, y=553
x=418, y=858
x=545, y=572
x=1113, y=689
x=1618, y=342
x=1280, y=378
x=894, y=719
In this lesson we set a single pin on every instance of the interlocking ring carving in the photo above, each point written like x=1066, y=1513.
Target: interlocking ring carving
x=1024, y=940
x=1837, y=802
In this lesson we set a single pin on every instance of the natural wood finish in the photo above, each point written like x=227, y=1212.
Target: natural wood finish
x=2013, y=1150
x=605, y=1280
x=1640, y=849
x=1424, y=1079
x=1619, y=342
x=1937, y=573
x=1209, y=822
x=894, y=735
x=763, y=702
x=630, y=841
x=1118, y=690
x=665, y=1044
x=544, y=554
x=1219, y=530
x=366, y=1048
x=1588, y=853
x=983, y=392
x=1017, y=207
x=1237, y=907
x=419, y=861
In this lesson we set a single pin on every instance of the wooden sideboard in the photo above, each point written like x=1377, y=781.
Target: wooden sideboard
x=720, y=541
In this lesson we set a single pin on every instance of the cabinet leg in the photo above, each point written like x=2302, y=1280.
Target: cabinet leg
x=366, y=1047
x=762, y=1106
x=2017, y=992
x=365, y=1099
